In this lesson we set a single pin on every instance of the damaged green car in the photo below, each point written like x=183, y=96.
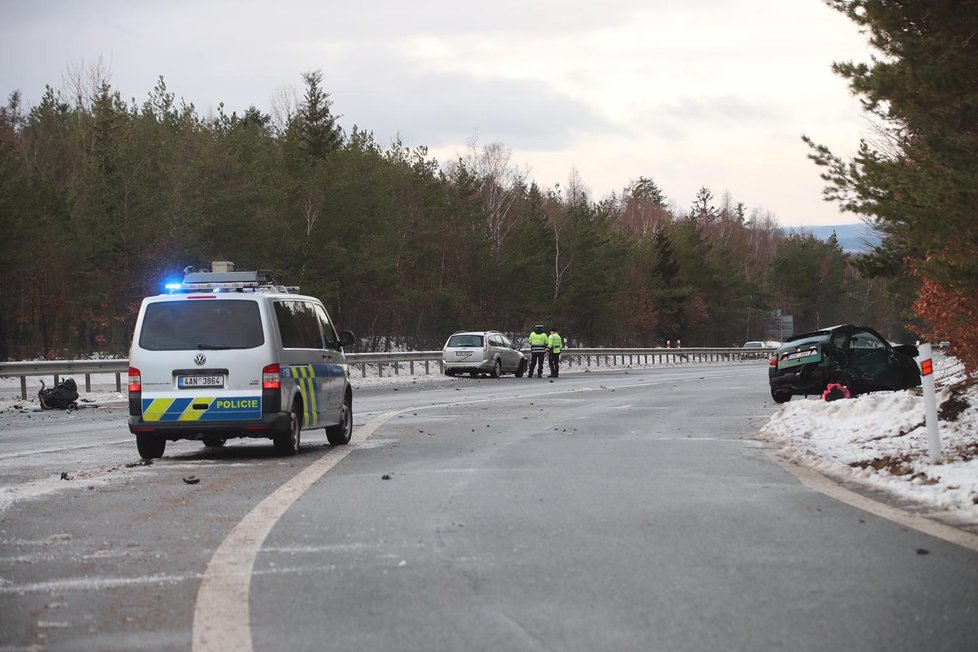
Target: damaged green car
x=855, y=356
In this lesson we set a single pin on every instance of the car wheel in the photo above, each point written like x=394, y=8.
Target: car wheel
x=214, y=443
x=150, y=446
x=520, y=370
x=340, y=434
x=781, y=397
x=287, y=443
x=497, y=368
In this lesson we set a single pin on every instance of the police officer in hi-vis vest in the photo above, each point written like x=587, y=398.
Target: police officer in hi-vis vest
x=539, y=343
x=555, y=344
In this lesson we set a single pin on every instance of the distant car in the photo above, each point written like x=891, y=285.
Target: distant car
x=855, y=356
x=482, y=352
x=757, y=346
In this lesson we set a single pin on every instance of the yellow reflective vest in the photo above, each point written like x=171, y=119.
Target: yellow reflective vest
x=556, y=343
x=539, y=341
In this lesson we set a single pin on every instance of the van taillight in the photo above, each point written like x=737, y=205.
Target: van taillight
x=135, y=380
x=773, y=362
x=271, y=377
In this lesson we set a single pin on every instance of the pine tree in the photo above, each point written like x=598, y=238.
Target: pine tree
x=917, y=181
x=320, y=134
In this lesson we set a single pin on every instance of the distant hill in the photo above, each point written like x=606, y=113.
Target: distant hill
x=853, y=238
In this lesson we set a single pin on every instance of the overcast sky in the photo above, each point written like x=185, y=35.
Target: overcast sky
x=713, y=93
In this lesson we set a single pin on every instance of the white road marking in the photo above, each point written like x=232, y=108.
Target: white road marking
x=61, y=449
x=221, y=616
x=830, y=488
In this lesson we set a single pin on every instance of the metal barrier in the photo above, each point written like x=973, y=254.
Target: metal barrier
x=394, y=361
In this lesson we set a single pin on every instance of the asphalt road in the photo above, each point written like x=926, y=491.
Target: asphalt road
x=619, y=510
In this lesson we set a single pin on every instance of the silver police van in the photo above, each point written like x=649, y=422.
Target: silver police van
x=234, y=354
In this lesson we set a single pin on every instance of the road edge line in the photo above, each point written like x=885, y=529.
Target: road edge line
x=222, y=619
x=829, y=487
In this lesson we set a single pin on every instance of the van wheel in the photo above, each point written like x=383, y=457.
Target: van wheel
x=780, y=397
x=287, y=443
x=340, y=434
x=520, y=370
x=497, y=369
x=150, y=446
x=214, y=443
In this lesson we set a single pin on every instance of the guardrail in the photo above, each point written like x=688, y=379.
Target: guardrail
x=395, y=361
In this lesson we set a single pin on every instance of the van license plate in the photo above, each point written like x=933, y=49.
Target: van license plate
x=200, y=381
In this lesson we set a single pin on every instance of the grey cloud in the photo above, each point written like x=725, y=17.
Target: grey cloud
x=446, y=109
x=677, y=120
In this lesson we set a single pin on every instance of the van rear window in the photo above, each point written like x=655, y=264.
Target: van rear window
x=191, y=325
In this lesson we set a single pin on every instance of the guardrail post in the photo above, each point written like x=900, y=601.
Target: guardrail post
x=926, y=366
x=606, y=357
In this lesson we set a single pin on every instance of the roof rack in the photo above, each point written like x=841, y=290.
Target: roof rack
x=227, y=280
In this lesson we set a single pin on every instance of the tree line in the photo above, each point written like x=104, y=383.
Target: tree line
x=104, y=200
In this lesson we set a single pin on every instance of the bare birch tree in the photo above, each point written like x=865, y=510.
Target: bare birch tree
x=502, y=183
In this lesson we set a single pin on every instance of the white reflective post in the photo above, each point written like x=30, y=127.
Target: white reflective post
x=930, y=401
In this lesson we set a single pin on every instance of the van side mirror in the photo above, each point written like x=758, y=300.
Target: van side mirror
x=347, y=338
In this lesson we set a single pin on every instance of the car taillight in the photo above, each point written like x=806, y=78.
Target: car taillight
x=271, y=377
x=485, y=343
x=135, y=381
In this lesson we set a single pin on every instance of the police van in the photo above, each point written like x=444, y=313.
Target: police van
x=234, y=354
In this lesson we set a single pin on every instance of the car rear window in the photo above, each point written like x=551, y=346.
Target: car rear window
x=817, y=339
x=465, y=340
x=201, y=324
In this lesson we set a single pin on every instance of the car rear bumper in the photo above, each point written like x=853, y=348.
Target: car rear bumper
x=475, y=365
x=269, y=424
x=810, y=379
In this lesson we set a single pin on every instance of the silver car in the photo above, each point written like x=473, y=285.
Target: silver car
x=482, y=352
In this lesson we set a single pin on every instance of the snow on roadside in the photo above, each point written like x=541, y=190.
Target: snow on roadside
x=880, y=440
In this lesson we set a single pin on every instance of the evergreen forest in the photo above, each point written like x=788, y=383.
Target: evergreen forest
x=103, y=201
